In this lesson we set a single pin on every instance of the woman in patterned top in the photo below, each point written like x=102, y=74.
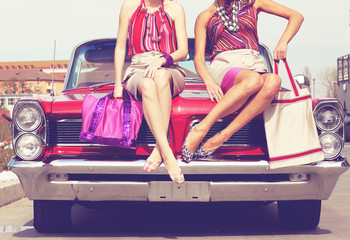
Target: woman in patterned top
x=236, y=77
x=157, y=40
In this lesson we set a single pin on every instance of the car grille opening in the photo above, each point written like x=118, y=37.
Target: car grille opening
x=252, y=134
x=189, y=177
x=66, y=132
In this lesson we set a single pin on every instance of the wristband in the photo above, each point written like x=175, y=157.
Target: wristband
x=169, y=60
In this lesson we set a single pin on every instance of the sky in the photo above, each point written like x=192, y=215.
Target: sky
x=29, y=29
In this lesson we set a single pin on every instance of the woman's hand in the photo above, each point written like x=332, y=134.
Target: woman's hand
x=280, y=52
x=153, y=67
x=118, y=92
x=214, y=91
x=295, y=19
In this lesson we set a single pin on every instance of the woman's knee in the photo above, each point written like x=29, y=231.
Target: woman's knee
x=147, y=87
x=162, y=79
x=272, y=84
x=253, y=83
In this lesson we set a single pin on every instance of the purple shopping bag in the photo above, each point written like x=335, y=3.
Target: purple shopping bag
x=111, y=121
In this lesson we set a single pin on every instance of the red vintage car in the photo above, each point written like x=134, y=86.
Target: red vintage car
x=57, y=170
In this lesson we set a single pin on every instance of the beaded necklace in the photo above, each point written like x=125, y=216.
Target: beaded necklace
x=229, y=14
x=151, y=31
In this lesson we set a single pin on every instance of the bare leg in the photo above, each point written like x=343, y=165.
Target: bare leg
x=245, y=85
x=255, y=106
x=153, y=115
x=162, y=80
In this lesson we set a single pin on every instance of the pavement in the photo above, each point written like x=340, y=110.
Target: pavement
x=10, y=188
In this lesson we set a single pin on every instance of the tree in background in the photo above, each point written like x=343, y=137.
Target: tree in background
x=328, y=77
x=307, y=73
x=5, y=142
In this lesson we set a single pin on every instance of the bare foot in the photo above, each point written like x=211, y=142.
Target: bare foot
x=173, y=168
x=212, y=144
x=153, y=161
x=194, y=138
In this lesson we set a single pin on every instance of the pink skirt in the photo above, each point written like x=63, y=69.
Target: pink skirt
x=226, y=65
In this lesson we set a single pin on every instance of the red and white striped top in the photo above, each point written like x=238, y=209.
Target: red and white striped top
x=151, y=31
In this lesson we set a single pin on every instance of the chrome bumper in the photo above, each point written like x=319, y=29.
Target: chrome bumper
x=34, y=177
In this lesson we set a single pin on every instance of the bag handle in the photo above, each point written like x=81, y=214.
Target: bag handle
x=126, y=113
x=291, y=79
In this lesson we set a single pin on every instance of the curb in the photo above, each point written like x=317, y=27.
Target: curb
x=10, y=191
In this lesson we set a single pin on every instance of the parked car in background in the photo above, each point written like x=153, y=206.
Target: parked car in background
x=57, y=170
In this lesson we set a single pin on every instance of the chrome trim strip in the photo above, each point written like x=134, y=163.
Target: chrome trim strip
x=96, y=145
x=70, y=120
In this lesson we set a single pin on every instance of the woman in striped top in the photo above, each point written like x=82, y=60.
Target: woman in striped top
x=157, y=40
x=236, y=77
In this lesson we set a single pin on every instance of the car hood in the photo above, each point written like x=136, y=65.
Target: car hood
x=193, y=100
x=190, y=100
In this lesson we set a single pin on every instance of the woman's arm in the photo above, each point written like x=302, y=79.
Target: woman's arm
x=119, y=54
x=213, y=89
x=181, y=33
x=294, y=18
x=177, y=13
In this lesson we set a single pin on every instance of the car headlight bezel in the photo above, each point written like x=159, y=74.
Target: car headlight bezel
x=20, y=152
x=320, y=125
x=336, y=131
x=339, y=148
x=37, y=129
x=37, y=122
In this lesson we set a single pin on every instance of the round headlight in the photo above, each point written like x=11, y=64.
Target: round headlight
x=332, y=145
x=28, y=147
x=328, y=118
x=28, y=118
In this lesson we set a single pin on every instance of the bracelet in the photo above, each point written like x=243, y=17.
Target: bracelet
x=169, y=60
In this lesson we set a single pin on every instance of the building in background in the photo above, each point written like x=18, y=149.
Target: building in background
x=30, y=79
x=343, y=82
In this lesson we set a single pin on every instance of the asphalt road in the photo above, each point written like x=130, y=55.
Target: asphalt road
x=184, y=221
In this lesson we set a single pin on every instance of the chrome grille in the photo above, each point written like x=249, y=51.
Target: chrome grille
x=252, y=134
x=67, y=132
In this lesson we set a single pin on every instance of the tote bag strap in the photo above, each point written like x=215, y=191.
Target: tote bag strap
x=291, y=79
x=126, y=114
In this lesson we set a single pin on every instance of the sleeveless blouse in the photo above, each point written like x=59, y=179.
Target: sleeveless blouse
x=151, y=31
x=220, y=39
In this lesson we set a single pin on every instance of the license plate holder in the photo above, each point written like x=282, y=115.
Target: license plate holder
x=172, y=192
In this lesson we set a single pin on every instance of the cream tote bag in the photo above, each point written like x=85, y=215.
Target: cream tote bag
x=290, y=128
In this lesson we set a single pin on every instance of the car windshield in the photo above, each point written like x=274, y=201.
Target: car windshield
x=92, y=64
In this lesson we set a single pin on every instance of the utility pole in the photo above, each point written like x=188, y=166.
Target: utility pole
x=52, y=93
